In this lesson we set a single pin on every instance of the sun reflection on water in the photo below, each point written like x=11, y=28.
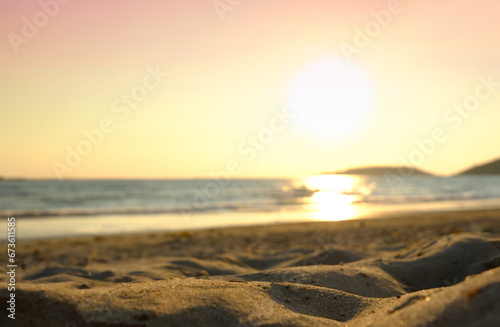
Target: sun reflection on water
x=333, y=199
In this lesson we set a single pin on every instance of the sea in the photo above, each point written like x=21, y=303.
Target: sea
x=69, y=208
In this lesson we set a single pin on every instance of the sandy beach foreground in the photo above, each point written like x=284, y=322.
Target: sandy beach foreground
x=439, y=269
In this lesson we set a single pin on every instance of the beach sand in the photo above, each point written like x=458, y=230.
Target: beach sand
x=432, y=269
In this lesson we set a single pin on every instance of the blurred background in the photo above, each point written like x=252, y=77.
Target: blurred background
x=167, y=107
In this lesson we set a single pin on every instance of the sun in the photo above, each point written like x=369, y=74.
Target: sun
x=330, y=97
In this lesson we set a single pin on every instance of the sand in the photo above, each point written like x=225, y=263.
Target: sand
x=436, y=269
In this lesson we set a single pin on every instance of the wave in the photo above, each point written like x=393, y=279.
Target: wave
x=423, y=198
x=114, y=211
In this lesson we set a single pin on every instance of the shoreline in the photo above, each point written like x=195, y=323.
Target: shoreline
x=391, y=219
x=57, y=227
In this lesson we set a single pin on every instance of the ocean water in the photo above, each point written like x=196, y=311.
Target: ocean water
x=67, y=208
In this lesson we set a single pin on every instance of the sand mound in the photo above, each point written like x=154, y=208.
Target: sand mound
x=439, y=272
x=444, y=261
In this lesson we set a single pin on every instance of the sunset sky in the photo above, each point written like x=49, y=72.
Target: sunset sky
x=216, y=86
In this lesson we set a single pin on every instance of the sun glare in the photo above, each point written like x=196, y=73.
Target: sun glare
x=332, y=200
x=331, y=97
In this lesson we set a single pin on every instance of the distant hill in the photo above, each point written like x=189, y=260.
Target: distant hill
x=383, y=171
x=491, y=168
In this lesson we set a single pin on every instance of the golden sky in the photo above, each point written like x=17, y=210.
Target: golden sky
x=182, y=89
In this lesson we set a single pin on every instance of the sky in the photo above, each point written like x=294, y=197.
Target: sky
x=201, y=88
